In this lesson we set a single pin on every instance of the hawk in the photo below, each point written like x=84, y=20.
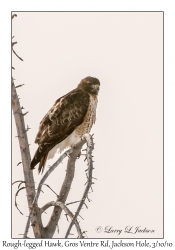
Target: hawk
x=71, y=116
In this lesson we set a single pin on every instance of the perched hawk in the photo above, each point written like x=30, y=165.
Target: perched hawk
x=67, y=121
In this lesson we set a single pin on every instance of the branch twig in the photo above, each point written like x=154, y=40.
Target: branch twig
x=72, y=202
x=14, y=15
x=51, y=189
x=17, y=55
x=18, y=86
x=16, y=205
x=18, y=181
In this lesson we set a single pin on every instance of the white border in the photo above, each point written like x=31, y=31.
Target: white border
x=169, y=93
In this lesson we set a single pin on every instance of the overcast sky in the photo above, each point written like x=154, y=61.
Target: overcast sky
x=124, y=50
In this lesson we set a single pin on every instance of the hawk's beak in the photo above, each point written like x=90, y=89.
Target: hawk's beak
x=96, y=87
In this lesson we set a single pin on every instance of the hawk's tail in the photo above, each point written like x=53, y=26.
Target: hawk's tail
x=41, y=161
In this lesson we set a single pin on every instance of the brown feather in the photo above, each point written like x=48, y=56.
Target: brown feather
x=42, y=163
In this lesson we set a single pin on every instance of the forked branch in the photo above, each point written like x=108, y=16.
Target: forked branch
x=72, y=152
x=67, y=211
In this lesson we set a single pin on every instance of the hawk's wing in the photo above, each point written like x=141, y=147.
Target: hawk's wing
x=67, y=113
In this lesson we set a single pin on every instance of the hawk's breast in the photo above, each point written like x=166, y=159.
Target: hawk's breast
x=82, y=129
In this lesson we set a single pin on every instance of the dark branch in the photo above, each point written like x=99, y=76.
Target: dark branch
x=18, y=181
x=51, y=189
x=14, y=15
x=25, y=113
x=16, y=205
x=17, y=55
x=18, y=86
x=14, y=43
x=72, y=202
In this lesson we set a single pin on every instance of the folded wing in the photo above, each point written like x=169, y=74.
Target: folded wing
x=66, y=114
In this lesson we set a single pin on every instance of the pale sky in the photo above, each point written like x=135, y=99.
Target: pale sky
x=124, y=50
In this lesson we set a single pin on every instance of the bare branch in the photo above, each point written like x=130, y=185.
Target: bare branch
x=14, y=15
x=67, y=211
x=18, y=86
x=51, y=189
x=52, y=168
x=14, y=43
x=27, y=129
x=72, y=202
x=90, y=146
x=18, y=181
x=85, y=205
x=20, y=184
x=16, y=205
x=25, y=156
x=49, y=230
x=17, y=55
x=81, y=216
x=25, y=113
x=27, y=226
x=65, y=189
x=88, y=199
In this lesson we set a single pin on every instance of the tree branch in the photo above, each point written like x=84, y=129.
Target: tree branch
x=67, y=211
x=90, y=147
x=17, y=55
x=16, y=205
x=24, y=148
x=49, y=230
x=25, y=154
x=14, y=15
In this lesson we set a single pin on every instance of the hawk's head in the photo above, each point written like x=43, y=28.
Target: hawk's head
x=90, y=84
